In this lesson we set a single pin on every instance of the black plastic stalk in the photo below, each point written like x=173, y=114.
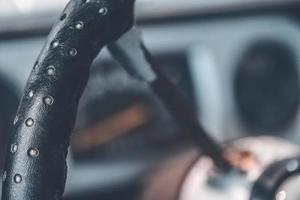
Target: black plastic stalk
x=184, y=115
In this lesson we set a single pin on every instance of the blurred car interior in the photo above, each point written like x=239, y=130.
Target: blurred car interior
x=237, y=62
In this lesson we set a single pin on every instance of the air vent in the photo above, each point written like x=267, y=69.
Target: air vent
x=267, y=86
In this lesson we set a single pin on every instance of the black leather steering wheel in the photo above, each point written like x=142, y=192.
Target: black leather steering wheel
x=36, y=166
x=266, y=187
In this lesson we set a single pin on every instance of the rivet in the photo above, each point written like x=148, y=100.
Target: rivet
x=33, y=152
x=48, y=100
x=51, y=70
x=103, y=11
x=18, y=178
x=14, y=148
x=79, y=25
x=72, y=52
x=29, y=122
x=54, y=43
x=30, y=94
x=281, y=195
x=292, y=165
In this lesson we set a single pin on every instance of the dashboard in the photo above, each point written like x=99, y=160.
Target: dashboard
x=237, y=65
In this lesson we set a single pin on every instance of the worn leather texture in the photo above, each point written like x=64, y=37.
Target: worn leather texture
x=36, y=164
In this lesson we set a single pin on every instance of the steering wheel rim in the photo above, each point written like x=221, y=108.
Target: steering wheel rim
x=266, y=187
x=36, y=165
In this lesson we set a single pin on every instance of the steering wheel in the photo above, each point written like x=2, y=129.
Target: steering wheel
x=36, y=166
x=278, y=173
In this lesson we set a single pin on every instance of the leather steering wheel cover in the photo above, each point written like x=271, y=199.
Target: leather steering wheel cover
x=275, y=175
x=36, y=165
